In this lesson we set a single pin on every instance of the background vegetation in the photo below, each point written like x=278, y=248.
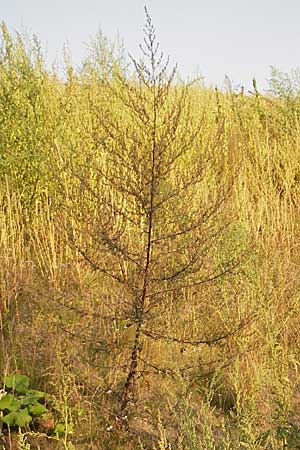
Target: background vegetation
x=149, y=244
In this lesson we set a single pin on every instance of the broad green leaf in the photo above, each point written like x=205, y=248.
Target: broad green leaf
x=23, y=418
x=19, y=418
x=38, y=394
x=10, y=418
x=18, y=382
x=37, y=409
x=60, y=428
x=9, y=402
x=32, y=397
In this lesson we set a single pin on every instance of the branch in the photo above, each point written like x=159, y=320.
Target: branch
x=209, y=342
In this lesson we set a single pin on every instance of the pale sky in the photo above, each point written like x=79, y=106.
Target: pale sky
x=237, y=38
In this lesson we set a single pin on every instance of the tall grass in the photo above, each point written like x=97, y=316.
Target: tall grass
x=72, y=329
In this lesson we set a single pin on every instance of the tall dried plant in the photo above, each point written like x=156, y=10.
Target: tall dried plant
x=145, y=209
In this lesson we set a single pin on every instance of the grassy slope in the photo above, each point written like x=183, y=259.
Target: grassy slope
x=242, y=392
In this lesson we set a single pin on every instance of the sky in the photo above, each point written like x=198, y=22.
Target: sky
x=238, y=38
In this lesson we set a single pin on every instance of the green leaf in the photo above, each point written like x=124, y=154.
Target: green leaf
x=23, y=418
x=19, y=418
x=60, y=428
x=10, y=418
x=38, y=394
x=18, y=382
x=9, y=402
x=37, y=409
x=32, y=397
